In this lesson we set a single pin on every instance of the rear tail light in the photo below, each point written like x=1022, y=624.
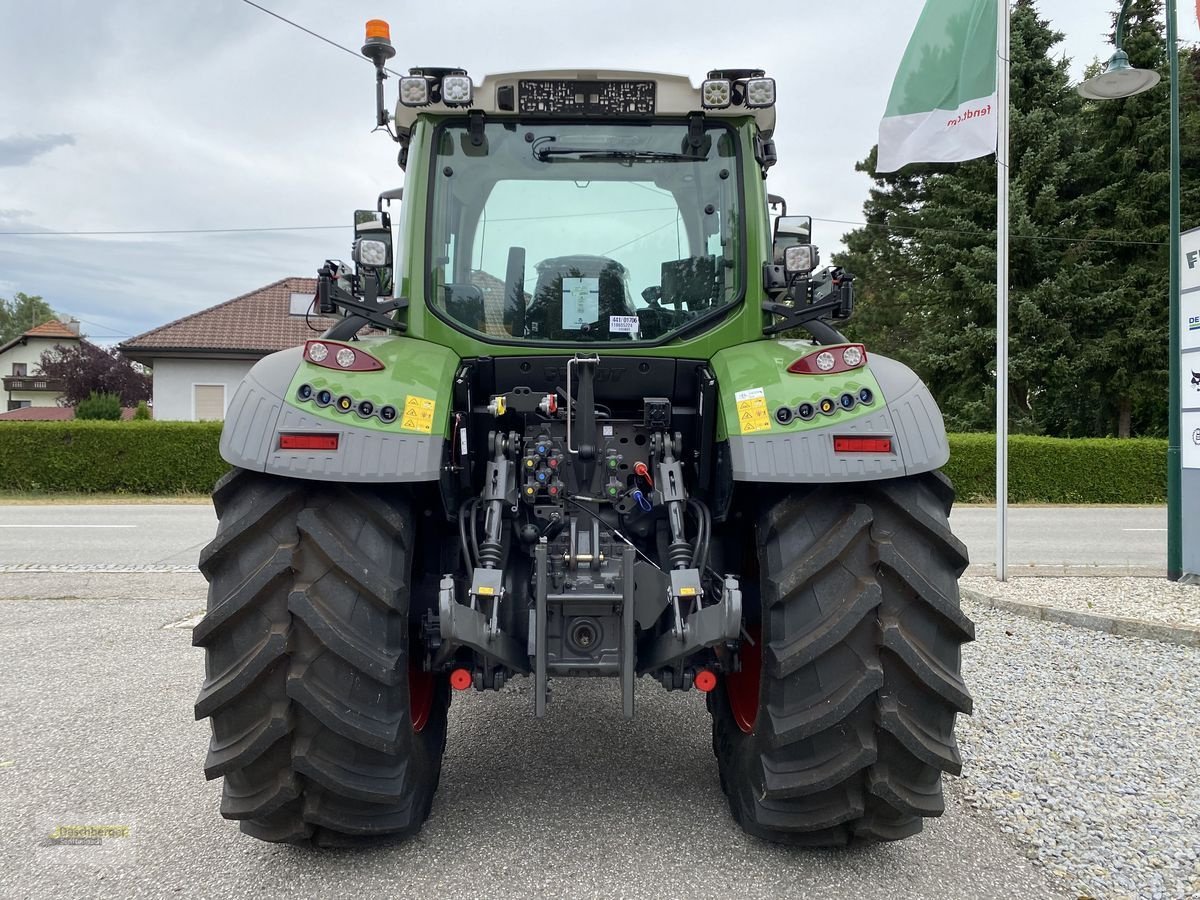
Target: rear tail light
x=862, y=445
x=334, y=355
x=830, y=360
x=308, y=442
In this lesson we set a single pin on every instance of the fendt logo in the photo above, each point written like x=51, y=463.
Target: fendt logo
x=1193, y=257
x=603, y=376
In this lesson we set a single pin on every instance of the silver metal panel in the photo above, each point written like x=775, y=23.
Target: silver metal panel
x=250, y=420
x=911, y=418
x=1190, y=491
x=920, y=431
x=362, y=455
x=257, y=413
x=807, y=456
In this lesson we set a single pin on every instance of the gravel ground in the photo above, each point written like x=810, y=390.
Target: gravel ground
x=1083, y=745
x=96, y=727
x=1151, y=599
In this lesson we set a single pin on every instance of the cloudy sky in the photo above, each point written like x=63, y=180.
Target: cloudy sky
x=209, y=114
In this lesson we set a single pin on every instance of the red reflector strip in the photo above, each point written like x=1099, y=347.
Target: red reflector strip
x=862, y=445
x=308, y=442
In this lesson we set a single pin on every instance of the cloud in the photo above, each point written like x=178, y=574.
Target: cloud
x=255, y=123
x=20, y=149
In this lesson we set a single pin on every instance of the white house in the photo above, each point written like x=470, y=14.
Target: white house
x=197, y=361
x=20, y=359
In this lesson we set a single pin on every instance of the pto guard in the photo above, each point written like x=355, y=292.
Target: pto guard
x=754, y=384
x=267, y=404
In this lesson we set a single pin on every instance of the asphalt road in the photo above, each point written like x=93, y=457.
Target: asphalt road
x=1113, y=540
x=96, y=728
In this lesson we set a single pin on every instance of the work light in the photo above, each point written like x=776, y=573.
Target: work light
x=414, y=90
x=760, y=92
x=456, y=90
x=715, y=93
x=368, y=252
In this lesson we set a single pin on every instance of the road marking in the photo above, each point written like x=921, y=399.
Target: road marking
x=66, y=569
x=1143, y=529
x=68, y=526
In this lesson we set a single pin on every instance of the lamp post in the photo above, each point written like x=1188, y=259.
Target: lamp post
x=1119, y=79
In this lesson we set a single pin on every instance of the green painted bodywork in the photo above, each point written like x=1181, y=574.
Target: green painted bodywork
x=763, y=364
x=743, y=323
x=412, y=368
x=423, y=361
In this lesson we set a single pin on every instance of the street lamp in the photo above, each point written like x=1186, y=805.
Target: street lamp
x=1120, y=79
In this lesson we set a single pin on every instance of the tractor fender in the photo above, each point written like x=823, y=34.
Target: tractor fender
x=280, y=396
x=767, y=445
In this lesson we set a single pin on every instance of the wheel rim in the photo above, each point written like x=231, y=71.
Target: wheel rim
x=742, y=687
x=420, y=696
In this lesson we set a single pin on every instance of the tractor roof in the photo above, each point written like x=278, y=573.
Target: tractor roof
x=674, y=95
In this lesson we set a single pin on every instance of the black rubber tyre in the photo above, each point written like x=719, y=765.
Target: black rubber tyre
x=851, y=717
x=308, y=682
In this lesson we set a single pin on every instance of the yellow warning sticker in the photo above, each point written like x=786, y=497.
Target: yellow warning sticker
x=418, y=414
x=752, y=411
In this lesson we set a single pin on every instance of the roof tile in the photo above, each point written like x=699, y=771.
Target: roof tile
x=52, y=329
x=256, y=323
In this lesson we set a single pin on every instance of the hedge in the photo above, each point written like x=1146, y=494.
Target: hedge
x=135, y=457
x=1061, y=470
x=176, y=457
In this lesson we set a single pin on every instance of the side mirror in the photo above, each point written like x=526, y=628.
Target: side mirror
x=372, y=250
x=799, y=228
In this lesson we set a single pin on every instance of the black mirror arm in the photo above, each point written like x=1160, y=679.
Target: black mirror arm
x=331, y=296
x=799, y=317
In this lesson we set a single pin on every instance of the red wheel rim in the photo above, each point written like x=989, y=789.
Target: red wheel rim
x=742, y=687
x=420, y=696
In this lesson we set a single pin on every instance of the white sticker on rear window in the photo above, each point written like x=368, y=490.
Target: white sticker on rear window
x=623, y=324
x=580, y=302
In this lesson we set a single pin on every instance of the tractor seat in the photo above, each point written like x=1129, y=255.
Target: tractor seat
x=544, y=317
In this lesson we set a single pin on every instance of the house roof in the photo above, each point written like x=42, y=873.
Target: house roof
x=50, y=414
x=53, y=330
x=254, y=324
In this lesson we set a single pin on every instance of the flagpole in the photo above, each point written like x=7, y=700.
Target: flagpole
x=1002, y=76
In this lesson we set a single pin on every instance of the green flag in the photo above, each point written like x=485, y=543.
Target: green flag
x=943, y=103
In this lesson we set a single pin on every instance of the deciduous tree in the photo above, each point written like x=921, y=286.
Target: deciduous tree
x=21, y=313
x=88, y=369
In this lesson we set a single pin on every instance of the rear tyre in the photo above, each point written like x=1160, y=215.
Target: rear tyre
x=841, y=722
x=325, y=727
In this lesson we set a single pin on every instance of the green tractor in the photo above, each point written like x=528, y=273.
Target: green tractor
x=564, y=428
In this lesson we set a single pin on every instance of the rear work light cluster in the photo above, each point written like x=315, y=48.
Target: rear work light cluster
x=344, y=403
x=737, y=87
x=335, y=355
x=830, y=360
x=420, y=87
x=826, y=406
